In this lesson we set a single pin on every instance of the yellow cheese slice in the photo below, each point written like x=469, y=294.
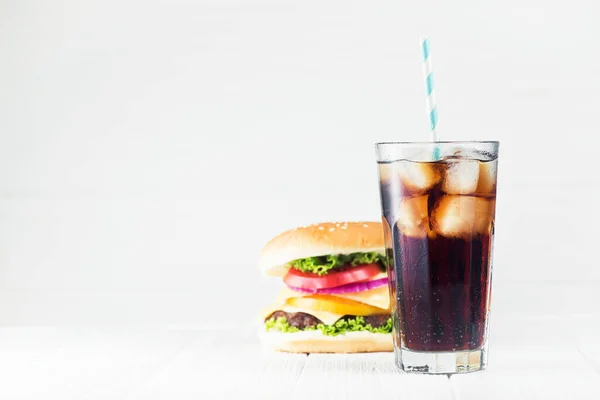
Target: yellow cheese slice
x=379, y=297
x=376, y=297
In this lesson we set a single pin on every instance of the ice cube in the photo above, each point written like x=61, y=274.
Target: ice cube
x=385, y=172
x=467, y=154
x=461, y=176
x=462, y=216
x=418, y=177
x=412, y=218
x=486, y=185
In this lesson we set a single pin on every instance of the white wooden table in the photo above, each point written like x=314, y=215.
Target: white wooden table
x=546, y=348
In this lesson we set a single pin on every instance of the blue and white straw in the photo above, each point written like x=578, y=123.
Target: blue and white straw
x=430, y=91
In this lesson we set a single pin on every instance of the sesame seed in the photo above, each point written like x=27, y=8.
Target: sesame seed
x=337, y=224
x=331, y=229
x=321, y=228
x=344, y=227
x=365, y=226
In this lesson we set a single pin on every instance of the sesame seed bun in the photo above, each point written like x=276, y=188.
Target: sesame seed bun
x=316, y=342
x=320, y=240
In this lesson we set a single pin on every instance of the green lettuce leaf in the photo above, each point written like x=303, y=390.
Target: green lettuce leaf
x=280, y=324
x=342, y=326
x=323, y=264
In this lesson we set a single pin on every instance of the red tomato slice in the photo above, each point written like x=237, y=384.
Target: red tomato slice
x=308, y=280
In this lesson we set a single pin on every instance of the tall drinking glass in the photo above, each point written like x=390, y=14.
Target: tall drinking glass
x=438, y=202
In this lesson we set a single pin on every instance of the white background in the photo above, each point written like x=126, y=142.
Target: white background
x=148, y=150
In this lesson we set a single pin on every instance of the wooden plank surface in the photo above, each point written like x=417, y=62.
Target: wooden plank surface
x=81, y=363
x=530, y=358
x=544, y=383
x=584, y=331
x=231, y=364
x=365, y=376
x=534, y=358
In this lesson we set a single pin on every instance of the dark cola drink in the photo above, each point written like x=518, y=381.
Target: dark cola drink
x=439, y=225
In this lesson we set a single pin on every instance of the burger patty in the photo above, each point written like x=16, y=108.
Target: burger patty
x=376, y=320
x=298, y=320
x=302, y=320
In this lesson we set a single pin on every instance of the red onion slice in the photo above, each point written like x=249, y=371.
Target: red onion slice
x=348, y=288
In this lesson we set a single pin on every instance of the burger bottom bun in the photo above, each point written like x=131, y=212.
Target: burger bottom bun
x=316, y=342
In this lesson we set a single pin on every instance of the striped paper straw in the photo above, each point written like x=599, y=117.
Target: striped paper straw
x=430, y=91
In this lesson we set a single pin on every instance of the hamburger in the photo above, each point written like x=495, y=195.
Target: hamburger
x=335, y=298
